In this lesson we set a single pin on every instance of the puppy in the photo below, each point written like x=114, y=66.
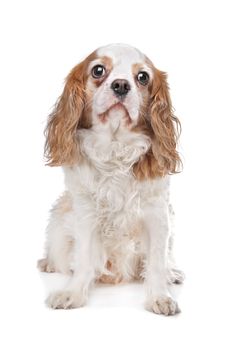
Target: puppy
x=115, y=135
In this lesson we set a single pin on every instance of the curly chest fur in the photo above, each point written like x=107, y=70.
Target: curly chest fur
x=105, y=180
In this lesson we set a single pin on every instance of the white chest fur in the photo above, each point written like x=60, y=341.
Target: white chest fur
x=104, y=181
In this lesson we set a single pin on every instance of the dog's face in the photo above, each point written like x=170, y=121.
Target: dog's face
x=118, y=80
x=115, y=85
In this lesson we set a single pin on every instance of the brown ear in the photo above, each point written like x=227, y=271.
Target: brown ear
x=165, y=126
x=61, y=146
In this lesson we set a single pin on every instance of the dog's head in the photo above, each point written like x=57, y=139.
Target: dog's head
x=116, y=84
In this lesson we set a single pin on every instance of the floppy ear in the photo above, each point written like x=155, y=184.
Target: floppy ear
x=165, y=125
x=61, y=146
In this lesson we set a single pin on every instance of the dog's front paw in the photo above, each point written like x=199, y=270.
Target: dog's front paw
x=65, y=300
x=164, y=305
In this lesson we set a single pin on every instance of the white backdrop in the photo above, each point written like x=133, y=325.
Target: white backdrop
x=191, y=40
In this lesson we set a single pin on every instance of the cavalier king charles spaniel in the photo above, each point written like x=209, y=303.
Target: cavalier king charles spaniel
x=114, y=133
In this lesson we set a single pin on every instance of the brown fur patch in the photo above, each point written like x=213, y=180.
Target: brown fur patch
x=107, y=63
x=70, y=113
x=162, y=126
x=136, y=68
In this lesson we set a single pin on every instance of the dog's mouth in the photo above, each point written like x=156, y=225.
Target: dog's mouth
x=118, y=108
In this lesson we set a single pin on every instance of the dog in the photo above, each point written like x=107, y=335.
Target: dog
x=114, y=133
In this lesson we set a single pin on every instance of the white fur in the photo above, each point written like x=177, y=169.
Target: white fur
x=107, y=214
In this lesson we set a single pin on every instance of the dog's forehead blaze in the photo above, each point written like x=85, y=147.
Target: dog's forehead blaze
x=120, y=54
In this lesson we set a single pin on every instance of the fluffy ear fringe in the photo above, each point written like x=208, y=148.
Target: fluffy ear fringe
x=166, y=127
x=163, y=157
x=61, y=146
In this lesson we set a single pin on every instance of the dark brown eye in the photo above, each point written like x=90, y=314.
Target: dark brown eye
x=143, y=78
x=98, y=71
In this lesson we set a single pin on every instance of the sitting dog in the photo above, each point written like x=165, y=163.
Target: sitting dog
x=114, y=133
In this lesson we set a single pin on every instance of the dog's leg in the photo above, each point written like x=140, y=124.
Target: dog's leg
x=59, y=243
x=158, y=299
x=85, y=259
x=174, y=275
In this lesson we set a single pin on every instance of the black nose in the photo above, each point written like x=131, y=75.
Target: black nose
x=120, y=87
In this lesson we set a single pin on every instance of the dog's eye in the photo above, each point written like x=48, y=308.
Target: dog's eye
x=98, y=71
x=143, y=78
